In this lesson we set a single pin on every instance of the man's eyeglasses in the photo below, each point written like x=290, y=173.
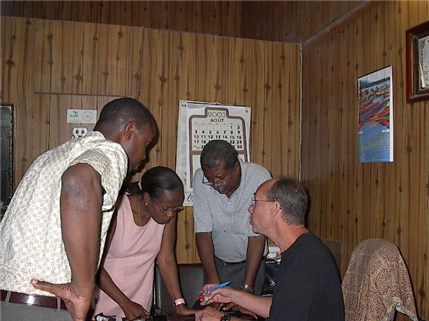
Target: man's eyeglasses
x=218, y=183
x=169, y=210
x=253, y=201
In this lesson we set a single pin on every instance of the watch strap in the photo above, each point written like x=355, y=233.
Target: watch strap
x=179, y=301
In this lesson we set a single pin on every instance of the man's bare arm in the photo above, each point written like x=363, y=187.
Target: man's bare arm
x=255, y=250
x=80, y=208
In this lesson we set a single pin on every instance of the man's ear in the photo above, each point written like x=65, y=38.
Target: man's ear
x=237, y=166
x=276, y=209
x=129, y=130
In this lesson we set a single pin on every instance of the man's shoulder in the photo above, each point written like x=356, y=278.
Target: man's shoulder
x=96, y=142
x=254, y=171
x=198, y=172
x=198, y=177
x=311, y=247
x=310, y=240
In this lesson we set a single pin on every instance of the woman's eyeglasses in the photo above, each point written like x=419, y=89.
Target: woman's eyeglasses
x=169, y=210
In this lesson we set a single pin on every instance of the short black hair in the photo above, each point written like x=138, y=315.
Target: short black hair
x=215, y=151
x=117, y=113
x=158, y=179
x=293, y=198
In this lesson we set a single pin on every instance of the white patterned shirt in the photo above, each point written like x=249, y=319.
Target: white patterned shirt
x=31, y=244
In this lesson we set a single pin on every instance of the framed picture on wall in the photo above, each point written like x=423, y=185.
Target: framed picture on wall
x=417, y=54
x=375, y=130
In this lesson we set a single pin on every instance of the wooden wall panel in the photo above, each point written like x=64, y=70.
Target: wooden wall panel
x=210, y=58
x=91, y=59
x=352, y=201
x=152, y=83
x=67, y=48
x=245, y=79
x=179, y=80
x=17, y=87
x=70, y=66
x=42, y=119
x=290, y=21
x=119, y=60
x=212, y=17
x=285, y=21
x=247, y=58
x=5, y=58
x=282, y=119
x=43, y=60
x=133, y=62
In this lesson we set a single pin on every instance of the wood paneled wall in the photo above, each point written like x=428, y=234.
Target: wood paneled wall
x=209, y=17
x=284, y=21
x=51, y=66
x=290, y=21
x=353, y=201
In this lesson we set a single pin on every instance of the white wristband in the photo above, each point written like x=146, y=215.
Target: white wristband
x=179, y=301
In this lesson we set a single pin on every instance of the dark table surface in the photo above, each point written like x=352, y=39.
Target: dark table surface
x=178, y=317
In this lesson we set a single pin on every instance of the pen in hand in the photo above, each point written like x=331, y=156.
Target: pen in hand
x=216, y=287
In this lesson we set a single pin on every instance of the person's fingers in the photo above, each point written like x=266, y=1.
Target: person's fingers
x=61, y=291
x=228, y=306
x=45, y=286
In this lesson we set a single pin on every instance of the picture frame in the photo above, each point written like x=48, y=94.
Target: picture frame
x=417, y=59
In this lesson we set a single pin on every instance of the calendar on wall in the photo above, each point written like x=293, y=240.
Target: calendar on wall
x=200, y=123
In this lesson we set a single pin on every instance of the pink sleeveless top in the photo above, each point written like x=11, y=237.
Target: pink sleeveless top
x=130, y=261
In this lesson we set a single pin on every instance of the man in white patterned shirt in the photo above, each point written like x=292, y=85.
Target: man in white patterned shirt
x=53, y=232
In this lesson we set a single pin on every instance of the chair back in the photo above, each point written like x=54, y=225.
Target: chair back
x=377, y=283
x=335, y=248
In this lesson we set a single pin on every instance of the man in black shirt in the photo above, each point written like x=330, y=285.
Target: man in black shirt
x=308, y=284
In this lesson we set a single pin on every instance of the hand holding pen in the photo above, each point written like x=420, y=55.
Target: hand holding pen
x=206, y=298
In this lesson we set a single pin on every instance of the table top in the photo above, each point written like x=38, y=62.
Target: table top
x=178, y=317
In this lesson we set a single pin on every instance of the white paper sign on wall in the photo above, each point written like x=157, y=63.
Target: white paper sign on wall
x=81, y=116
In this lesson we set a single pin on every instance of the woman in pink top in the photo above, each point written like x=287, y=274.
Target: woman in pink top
x=142, y=231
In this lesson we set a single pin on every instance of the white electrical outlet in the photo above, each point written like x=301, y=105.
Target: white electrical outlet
x=79, y=132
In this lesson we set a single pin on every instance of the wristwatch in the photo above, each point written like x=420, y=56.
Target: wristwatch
x=225, y=317
x=247, y=288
